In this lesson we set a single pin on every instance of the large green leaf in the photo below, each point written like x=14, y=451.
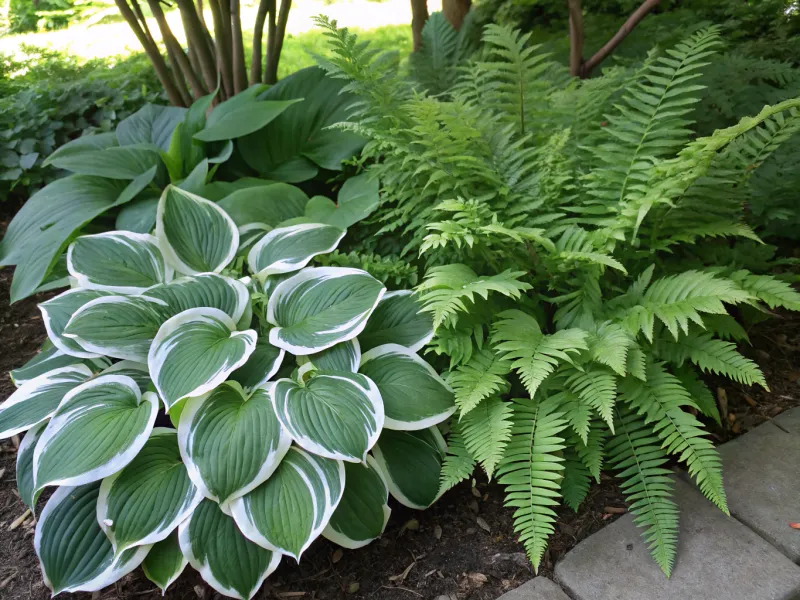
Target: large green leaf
x=320, y=307
x=358, y=198
x=144, y=502
x=269, y=203
x=98, y=428
x=231, y=442
x=229, y=562
x=411, y=464
x=289, y=510
x=397, y=320
x=165, y=562
x=263, y=363
x=414, y=396
x=138, y=216
x=135, y=370
x=217, y=190
x=83, y=144
x=195, y=351
x=57, y=312
x=195, y=235
x=50, y=218
x=73, y=551
x=151, y=124
x=345, y=356
x=37, y=400
x=295, y=145
x=205, y=290
x=117, y=162
x=287, y=249
x=241, y=115
x=117, y=261
x=25, y=466
x=50, y=358
x=363, y=511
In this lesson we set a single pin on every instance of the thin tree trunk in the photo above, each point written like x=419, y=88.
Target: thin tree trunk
x=223, y=47
x=258, y=40
x=198, y=39
x=272, y=29
x=419, y=16
x=455, y=11
x=575, y=37
x=160, y=67
x=276, y=45
x=237, y=48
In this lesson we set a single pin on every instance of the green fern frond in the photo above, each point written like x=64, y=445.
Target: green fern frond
x=596, y=386
x=575, y=245
x=534, y=355
x=575, y=485
x=726, y=328
x=637, y=454
x=486, y=431
x=481, y=377
x=637, y=363
x=577, y=412
x=660, y=400
x=609, y=346
x=531, y=472
x=458, y=463
x=771, y=291
x=593, y=451
x=699, y=392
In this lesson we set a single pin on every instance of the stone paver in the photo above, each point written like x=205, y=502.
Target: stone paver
x=789, y=420
x=762, y=479
x=538, y=588
x=718, y=559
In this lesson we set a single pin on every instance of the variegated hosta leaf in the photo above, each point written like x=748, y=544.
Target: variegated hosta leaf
x=98, y=428
x=287, y=249
x=229, y=562
x=195, y=235
x=344, y=356
x=397, y=320
x=414, y=396
x=150, y=497
x=321, y=307
x=135, y=370
x=336, y=415
x=117, y=261
x=118, y=326
x=195, y=351
x=290, y=509
x=230, y=442
x=165, y=562
x=249, y=234
x=363, y=511
x=25, y=465
x=204, y=290
x=411, y=464
x=73, y=551
x=263, y=363
x=38, y=399
x=49, y=359
x=57, y=312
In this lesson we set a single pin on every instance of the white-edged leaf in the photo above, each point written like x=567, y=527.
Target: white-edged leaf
x=118, y=326
x=320, y=307
x=195, y=351
x=117, y=261
x=227, y=561
x=195, y=235
x=206, y=289
x=344, y=356
x=289, y=510
x=73, y=551
x=231, y=442
x=397, y=320
x=287, y=249
x=249, y=234
x=411, y=464
x=25, y=466
x=135, y=370
x=165, y=562
x=98, y=428
x=50, y=358
x=263, y=363
x=414, y=395
x=363, y=512
x=57, y=312
x=38, y=399
x=149, y=497
x=335, y=415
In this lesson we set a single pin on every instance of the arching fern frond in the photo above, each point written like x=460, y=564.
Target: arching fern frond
x=486, y=431
x=458, y=463
x=595, y=385
x=575, y=485
x=771, y=291
x=480, y=378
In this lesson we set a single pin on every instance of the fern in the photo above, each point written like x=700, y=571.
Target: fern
x=609, y=346
x=441, y=51
x=481, y=377
x=699, y=392
x=592, y=452
x=771, y=291
x=575, y=485
x=486, y=431
x=458, y=463
x=597, y=387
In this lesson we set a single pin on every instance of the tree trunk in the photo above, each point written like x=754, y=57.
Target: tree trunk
x=258, y=40
x=419, y=16
x=455, y=11
x=274, y=46
x=237, y=48
x=575, y=37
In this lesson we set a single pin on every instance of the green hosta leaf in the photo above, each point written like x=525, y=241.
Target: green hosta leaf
x=135, y=370
x=195, y=234
x=151, y=124
x=336, y=415
x=85, y=143
x=73, y=551
x=358, y=198
x=320, y=307
x=248, y=235
x=263, y=363
x=227, y=561
x=117, y=326
x=289, y=510
x=165, y=562
x=269, y=203
x=58, y=311
x=25, y=465
x=204, y=290
x=99, y=427
x=231, y=442
x=37, y=400
x=150, y=497
x=240, y=116
x=48, y=359
x=363, y=510
x=195, y=351
x=117, y=261
x=345, y=357
x=414, y=396
x=128, y=162
x=411, y=464
x=138, y=216
x=397, y=320
x=288, y=249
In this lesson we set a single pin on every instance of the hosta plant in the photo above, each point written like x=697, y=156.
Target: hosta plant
x=205, y=394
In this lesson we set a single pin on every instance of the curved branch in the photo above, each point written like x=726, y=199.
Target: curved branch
x=258, y=39
x=575, y=37
x=237, y=48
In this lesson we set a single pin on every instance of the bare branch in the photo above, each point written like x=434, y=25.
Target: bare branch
x=198, y=40
x=237, y=48
x=276, y=45
x=272, y=30
x=258, y=39
x=419, y=16
x=223, y=46
x=575, y=37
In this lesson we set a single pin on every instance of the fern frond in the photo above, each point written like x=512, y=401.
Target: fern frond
x=458, y=463
x=771, y=291
x=575, y=485
x=575, y=245
x=486, y=431
x=637, y=362
x=593, y=451
x=609, y=346
x=577, y=412
x=660, y=400
x=726, y=328
x=531, y=472
x=596, y=386
x=699, y=392
x=637, y=454
x=481, y=377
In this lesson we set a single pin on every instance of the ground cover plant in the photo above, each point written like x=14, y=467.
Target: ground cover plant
x=589, y=257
